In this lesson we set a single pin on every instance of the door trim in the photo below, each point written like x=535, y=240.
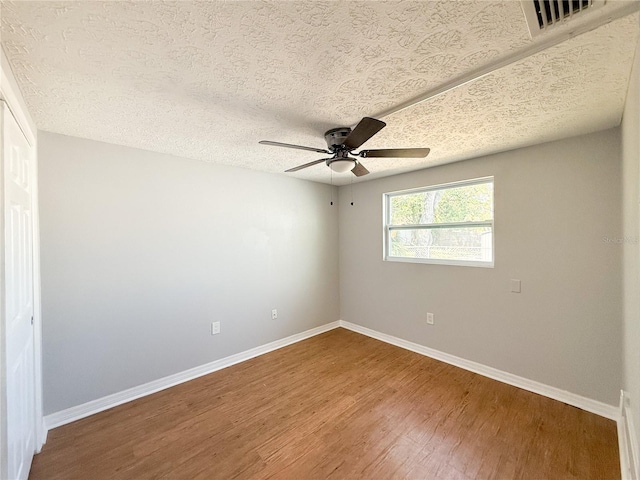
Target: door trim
x=10, y=93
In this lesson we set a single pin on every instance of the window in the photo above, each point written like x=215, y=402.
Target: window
x=448, y=224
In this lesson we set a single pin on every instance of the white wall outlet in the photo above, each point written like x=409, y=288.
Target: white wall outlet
x=215, y=328
x=274, y=314
x=430, y=318
x=515, y=286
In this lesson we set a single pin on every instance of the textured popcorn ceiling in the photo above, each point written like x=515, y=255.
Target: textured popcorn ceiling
x=208, y=80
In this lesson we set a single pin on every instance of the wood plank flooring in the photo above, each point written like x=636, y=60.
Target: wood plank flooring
x=339, y=405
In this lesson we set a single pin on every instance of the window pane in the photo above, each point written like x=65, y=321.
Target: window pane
x=467, y=203
x=410, y=209
x=466, y=244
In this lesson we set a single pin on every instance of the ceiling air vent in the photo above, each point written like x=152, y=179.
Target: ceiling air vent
x=542, y=15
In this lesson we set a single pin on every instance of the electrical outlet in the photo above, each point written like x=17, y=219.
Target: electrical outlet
x=274, y=314
x=430, y=318
x=215, y=328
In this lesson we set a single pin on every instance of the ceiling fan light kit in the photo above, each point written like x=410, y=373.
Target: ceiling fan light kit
x=342, y=141
x=342, y=165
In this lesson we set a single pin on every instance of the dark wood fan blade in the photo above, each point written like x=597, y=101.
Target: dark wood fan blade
x=396, y=153
x=288, y=145
x=359, y=170
x=310, y=164
x=366, y=129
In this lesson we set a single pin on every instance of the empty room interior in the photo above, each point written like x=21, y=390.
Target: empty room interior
x=304, y=240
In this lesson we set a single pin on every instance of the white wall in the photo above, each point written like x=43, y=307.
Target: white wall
x=631, y=245
x=554, y=204
x=142, y=251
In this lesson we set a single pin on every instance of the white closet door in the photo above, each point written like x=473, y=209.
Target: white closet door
x=18, y=158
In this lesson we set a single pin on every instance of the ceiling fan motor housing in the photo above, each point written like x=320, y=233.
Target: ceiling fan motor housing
x=336, y=137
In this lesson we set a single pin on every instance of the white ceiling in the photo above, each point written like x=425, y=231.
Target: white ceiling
x=208, y=80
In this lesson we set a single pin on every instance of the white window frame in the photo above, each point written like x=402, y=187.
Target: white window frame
x=388, y=228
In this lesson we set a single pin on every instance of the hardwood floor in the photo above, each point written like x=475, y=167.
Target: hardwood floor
x=339, y=405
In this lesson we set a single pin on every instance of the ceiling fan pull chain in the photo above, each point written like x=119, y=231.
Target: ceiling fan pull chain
x=351, y=189
x=331, y=170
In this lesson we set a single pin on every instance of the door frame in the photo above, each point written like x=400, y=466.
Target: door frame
x=12, y=98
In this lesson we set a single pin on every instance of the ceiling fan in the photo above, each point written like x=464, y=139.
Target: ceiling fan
x=342, y=141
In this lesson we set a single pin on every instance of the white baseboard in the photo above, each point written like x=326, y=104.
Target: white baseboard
x=81, y=411
x=628, y=441
x=95, y=406
x=593, y=406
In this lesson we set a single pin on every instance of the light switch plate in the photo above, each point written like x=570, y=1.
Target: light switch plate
x=515, y=286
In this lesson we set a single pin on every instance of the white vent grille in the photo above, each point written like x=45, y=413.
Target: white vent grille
x=541, y=15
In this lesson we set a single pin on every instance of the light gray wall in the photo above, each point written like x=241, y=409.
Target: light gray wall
x=554, y=204
x=142, y=251
x=631, y=247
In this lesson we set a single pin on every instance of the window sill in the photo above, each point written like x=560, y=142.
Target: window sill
x=457, y=263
